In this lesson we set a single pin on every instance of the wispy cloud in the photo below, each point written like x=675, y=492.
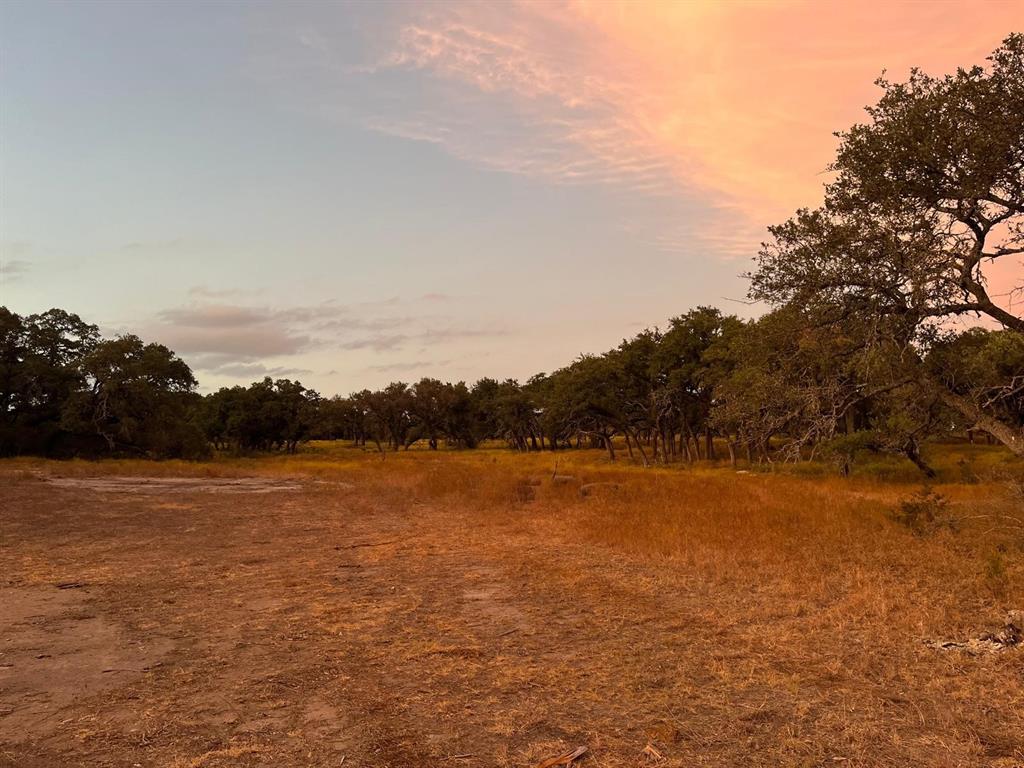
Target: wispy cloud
x=13, y=270
x=410, y=366
x=13, y=265
x=137, y=245
x=726, y=108
x=450, y=333
x=203, y=292
x=376, y=342
x=255, y=370
x=238, y=340
x=216, y=316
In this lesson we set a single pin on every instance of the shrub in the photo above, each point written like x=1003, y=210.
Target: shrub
x=925, y=513
x=843, y=449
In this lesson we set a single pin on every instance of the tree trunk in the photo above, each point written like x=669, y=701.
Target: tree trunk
x=608, y=444
x=640, y=447
x=684, y=446
x=1004, y=433
x=850, y=421
x=913, y=452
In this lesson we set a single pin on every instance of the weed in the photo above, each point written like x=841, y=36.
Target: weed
x=997, y=577
x=925, y=513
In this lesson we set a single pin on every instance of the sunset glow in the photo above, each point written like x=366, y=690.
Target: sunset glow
x=329, y=166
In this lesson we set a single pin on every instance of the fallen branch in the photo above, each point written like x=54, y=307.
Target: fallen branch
x=565, y=759
x=651, y=752
x=1011, y=636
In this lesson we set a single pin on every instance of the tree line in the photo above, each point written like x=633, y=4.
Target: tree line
x=861, y=348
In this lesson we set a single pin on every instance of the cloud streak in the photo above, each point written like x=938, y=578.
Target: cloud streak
x=238, y=340
x=13, y=270
x=410, y=366
x=726, y=106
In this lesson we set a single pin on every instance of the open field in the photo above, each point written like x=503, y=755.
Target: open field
x=463, y=609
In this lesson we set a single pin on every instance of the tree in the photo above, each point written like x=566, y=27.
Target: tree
x=12, y=378
x=390, y=411
x=483, y=399
x=985, y=368
x=441, y=410
x=268, y=415
x=516, y=415
x=756, y=381
x=297, y=413
x=136, y=399
x=590, y=398
x=40, y=359
x=927, y=194
x=690, y=374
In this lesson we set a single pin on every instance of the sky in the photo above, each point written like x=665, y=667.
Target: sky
x=355, y=193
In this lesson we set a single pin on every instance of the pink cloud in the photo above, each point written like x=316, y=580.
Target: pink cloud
x=733, y=104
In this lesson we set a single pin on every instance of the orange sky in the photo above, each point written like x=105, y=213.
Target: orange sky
x=736, y=99
x=731, y=103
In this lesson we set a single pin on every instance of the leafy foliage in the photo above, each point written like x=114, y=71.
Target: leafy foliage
x=927, y=195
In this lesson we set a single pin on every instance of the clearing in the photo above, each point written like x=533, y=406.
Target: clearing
x=464, y=610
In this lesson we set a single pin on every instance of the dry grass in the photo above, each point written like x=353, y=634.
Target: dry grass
x=407, y=609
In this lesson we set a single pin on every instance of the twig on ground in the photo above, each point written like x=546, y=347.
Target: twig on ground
x=652, y=752
x=565, y=759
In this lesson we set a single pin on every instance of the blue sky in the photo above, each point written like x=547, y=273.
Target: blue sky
x=350, y=194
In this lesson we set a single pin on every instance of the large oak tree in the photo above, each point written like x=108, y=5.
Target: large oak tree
x=927, y=195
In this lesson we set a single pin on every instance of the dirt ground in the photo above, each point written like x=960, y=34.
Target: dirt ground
x=347, y=621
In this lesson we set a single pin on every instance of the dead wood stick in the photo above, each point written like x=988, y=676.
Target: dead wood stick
x=565, y=759
x=651, y=751
x=372, y=544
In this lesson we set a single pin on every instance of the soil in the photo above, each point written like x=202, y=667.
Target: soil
x=162, y=485
x=166, y=622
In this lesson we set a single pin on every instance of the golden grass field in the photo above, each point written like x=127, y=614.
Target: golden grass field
x=465, y=609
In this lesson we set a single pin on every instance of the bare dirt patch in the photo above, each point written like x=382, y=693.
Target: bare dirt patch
x=173, y=485
x=56, y=649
